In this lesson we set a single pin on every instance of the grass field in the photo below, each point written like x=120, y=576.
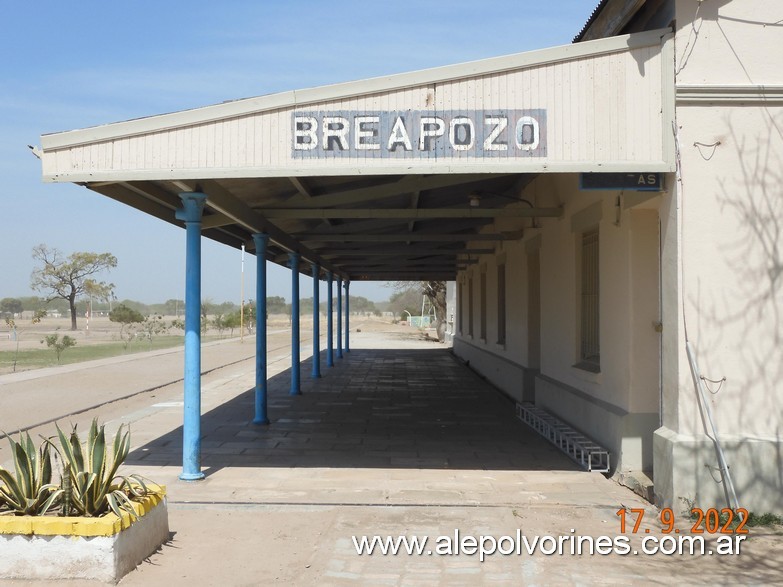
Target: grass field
x=35, y=358
x=101, y=340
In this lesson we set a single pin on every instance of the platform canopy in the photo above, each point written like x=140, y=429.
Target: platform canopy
x=399, y=177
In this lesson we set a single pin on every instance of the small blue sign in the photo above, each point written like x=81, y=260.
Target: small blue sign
x=638, y=181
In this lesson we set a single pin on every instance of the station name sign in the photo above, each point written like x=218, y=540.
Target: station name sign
x=420, y=134
x=640, y=182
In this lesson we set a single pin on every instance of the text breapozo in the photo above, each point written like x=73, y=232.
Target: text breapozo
x=420, y=134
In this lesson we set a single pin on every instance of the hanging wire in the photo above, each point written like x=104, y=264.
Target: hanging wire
x=719, y=383
x=713, y=146
x=693, y=36
x=719, y=478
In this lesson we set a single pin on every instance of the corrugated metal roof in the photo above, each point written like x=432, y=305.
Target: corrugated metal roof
x=590, y=20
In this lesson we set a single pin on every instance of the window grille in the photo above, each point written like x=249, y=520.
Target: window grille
x=470, y=306
x=590, y=350
x=502, y=304
x=461, y=307
x=483, y=308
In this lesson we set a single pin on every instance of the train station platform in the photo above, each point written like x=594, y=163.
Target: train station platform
x=398, y=439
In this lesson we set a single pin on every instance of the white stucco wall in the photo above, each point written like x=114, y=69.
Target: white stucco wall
x=721, y=270
x=618, y=406
x=722, y=256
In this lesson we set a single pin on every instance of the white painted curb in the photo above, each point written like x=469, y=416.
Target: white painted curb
x=102, y=558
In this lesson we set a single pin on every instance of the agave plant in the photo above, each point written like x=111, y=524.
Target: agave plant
x=91, y=486
x=30, y=490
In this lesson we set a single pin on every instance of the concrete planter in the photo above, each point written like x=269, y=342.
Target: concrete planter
x=103, y=549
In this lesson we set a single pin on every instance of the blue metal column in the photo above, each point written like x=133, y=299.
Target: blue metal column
x=295, y=387
x=261, y=240
x=191, y=211
x=316, y=321
x=329, y=319
x=339, y=318
x=347, y=314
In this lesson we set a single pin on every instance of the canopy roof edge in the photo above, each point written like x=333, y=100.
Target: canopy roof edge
x=349, y=89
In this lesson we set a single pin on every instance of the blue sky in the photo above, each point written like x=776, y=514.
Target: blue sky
x=69, y=65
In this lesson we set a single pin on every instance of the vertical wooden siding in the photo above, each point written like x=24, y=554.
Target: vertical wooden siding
x=605, y=108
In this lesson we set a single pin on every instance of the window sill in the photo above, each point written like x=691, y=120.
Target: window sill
x=587, y=366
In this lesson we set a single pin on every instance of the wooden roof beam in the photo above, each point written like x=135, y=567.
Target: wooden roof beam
x=415, y=237
x=408, y=213
x=406, y=185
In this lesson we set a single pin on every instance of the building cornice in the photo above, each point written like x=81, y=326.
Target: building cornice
x=734, y=94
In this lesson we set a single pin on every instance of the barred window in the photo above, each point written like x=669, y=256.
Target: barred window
x=483, y=308
x=470, y=306
x=590, y=350
x=502, y=303
x=461, y=306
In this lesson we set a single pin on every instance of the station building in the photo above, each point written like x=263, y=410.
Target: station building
x=609, y=213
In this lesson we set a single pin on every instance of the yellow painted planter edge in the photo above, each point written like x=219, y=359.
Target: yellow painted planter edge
x=107, y=525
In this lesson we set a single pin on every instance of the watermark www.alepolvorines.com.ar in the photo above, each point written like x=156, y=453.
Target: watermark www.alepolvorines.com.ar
x=547, y=545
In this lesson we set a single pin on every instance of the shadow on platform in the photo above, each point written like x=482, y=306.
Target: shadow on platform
x=418, y=409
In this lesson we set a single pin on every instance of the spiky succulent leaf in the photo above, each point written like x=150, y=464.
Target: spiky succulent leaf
x=97, y=451
x=119, y=502
x=22, y=467
x=28, y=491
x=12, y=493
x=45, y=464
x=77, y=452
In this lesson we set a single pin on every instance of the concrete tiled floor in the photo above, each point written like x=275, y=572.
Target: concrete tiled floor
x=402, y=408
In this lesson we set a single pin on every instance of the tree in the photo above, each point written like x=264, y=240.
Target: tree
x=435, y=291
x=72, y=276
x=276, y=305
x=37, y=317
x=125, y=317
x=153, y=325
x=138, y=306
x=174, y=307
x=53, y=341
x=11, y=306
x=231, y=321
x=206, y=308
x=219, y=323
x=406, y=298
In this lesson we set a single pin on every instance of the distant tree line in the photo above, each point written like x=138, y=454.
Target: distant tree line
x=175, y=307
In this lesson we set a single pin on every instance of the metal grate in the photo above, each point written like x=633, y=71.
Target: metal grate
x=581, y=449
x=470, y=307
x=461, y=306
x=483, y=307
x=502, y=303
x=590, y=348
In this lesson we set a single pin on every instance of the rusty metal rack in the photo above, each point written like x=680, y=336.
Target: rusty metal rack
x=585, y=452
